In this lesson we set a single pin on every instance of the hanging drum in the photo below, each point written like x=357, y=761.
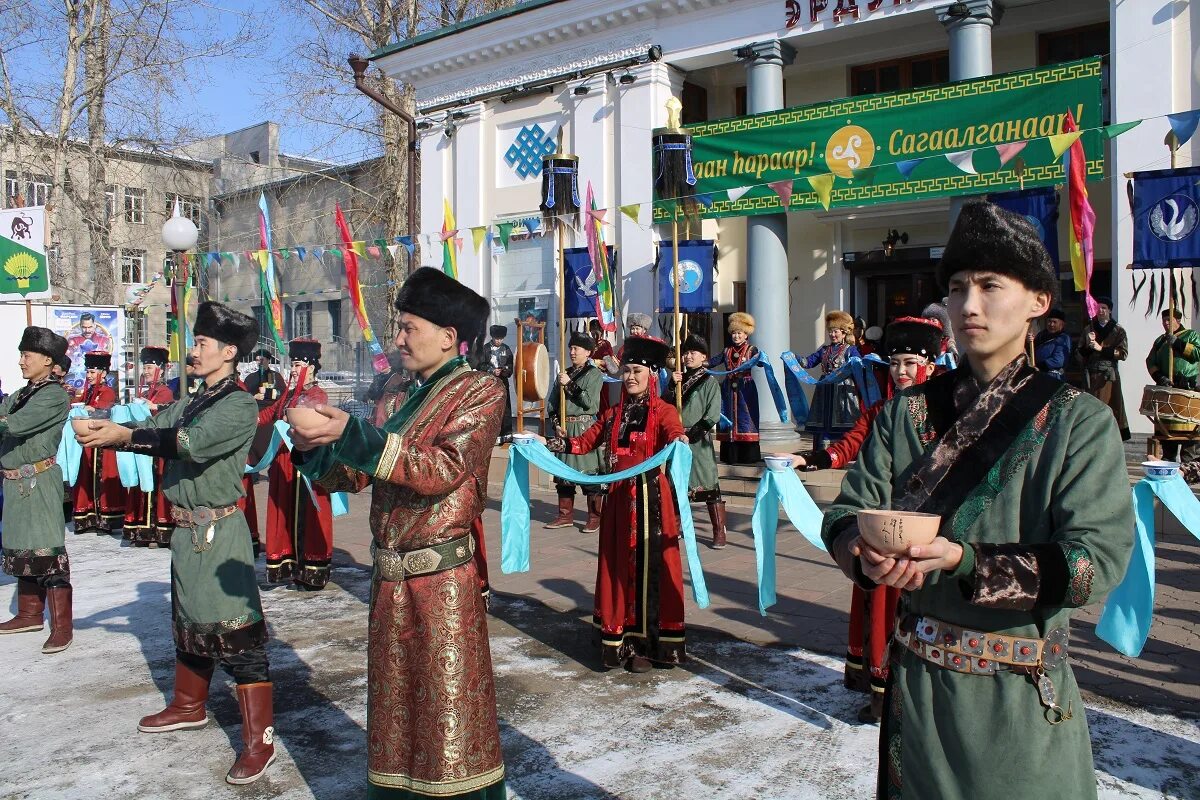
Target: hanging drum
x=1176, y=411
x=535, y=368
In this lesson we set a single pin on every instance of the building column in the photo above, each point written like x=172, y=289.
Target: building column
x=470, y=197
x=766, y=246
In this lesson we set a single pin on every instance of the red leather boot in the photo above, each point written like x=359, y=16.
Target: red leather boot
x=258, y=734
x=186, y=709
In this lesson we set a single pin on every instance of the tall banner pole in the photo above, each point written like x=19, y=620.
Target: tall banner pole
x=562, y=325
x=560, y=202
x=675, y=313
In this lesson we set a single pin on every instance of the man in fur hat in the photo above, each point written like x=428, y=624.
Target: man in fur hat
x=497, y=359
x=1102, y=346
x=582, y=384
x=216, y=608
x=835, y=406
x=99, y=497
x=739, y=396
x=431, y=721
x=35, y=553
x=1028, y=477
x=265, y=383
x=148, y=521
x=701, y=413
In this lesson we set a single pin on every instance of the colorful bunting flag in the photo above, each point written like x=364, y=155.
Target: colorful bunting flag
x=1083, y=218
x=1183, y=125
x=354, y=287
x=272, y=307
x=449, y=229
x=784, y=190
x=633, y=211
x=531, y=224
x=407, y=242
x=392, y=248
x=1113, y=131
x=300, y=253
x=866, y=175
x=905, y=168
x=477, y=234
x=823, y=186
x=736, y=193
x=374, y=252
x=318, y=253
x=962, y=160
x=598, y=251
x=1060, y=142
x=1007, y=151
x=359, y=248
x=506, y=229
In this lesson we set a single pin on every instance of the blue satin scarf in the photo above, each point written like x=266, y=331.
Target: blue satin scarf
x=134, y=470
x=279, y=436
x=776, y=487
x=760, y=360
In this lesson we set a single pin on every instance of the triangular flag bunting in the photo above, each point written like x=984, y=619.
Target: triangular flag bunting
x=784, y=190
x=335, y=252
x=477, y=234
x=1007, y=151
x=866, y=175
x=1061, y=142
x=705, y=199
x=301, y=252
x=506, y=229
x=531, y=224
x=597, y=214
x=633, y=211
x=285, y=253
x=458, y=243
x=1183, y=125
x=962, y=160
x=737, y=192
x=374, y=252
x=392, y=248
x=823, y=186
x=380, y=242
x=318, y=252
x=1113, y=131
x=359, y=248
x=236, y=259
x=407, y=241
x=905, y=168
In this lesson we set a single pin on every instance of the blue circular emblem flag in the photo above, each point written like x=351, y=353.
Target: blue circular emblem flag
x=690, y=274
x=1173, y=218
x=1037, y=226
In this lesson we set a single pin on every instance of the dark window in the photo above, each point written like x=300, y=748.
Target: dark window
x=695, y=104
x=335, y=318
x=1076, y=43
x=739, y=101
x=900, y=74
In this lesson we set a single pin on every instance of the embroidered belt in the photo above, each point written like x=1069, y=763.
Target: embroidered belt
x=582, y=418
x=201, y=517
x=980, y=653
x=29, y=470
x=398, y=565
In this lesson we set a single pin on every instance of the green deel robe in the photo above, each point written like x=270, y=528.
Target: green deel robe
x=31, y=426
x=1187, y=355
x=216, y=607
x=1045, y=515
x=583, y=400
x=701, y=413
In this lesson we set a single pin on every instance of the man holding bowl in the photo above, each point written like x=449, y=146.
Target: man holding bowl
x=1027, y=475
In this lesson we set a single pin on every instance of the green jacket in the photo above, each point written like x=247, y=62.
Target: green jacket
x=583, y=402
x=1187, y=355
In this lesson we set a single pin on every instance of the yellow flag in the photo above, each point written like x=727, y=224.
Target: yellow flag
x=632, y=211
x=477, y=235
x=823, y=186
x=359, y=248
x=1059, y=143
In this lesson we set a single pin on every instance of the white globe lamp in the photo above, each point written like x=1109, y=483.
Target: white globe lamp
x=179, y=233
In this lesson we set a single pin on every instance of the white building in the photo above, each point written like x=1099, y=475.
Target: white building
x=587, y=67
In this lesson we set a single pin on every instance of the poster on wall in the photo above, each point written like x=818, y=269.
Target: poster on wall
x=24, y=270
x=533, y=310
x=88, y=329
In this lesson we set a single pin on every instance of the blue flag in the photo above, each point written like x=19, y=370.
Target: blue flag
x=696, y=259
x=1040, y=207
x=581, y=281
x=1166, y=208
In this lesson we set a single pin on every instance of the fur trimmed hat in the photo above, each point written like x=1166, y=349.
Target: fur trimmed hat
x=636, y=320
x=64, y=364
x=693, y=344
x=989, y=238
x=918, y=336
x=498, y=331
x=840, y=320
x=306, y=350
x=1056, y=313
x=44, y=341
x=97, y=361
x=433, y=295
x=648, y=352
x=154, y=355
x=581, y=339
x=740, y=321
x=220, y=322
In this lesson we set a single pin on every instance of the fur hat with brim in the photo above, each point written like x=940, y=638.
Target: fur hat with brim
x=650, y=353
x=839, y=320
x=636, y=320
x=581, y=339
x=693, y=344
x=64, y=363
x=308, y=350
x=154, y=355
x=44, y=341
x=916, y=336
x=498, y=331
x=433, y=295
x=97, y=361
x=220, y=322
x=740, y=321
x=988, y=238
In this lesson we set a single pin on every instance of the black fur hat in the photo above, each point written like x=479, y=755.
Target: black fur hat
x=581, y=339
x=44, y=341
x=693, y=344
x=650, y=353
x=498, y=331
x=220, y=322
x=988, y=237
x=308, y=350
x=64, y=363
x=918, y=336
x=433, y=295
x=97, y=361
x=154, y=355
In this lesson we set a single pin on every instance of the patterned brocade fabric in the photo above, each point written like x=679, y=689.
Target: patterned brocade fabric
x=221, y=639
x=1081, y=572
x=36, y=563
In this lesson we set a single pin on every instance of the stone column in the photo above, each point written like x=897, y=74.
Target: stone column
x=766, y=248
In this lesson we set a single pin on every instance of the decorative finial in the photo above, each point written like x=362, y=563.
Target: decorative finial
x=674, y=117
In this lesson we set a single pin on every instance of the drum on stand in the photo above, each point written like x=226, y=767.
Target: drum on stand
x=1173, y=411
x=535, y=366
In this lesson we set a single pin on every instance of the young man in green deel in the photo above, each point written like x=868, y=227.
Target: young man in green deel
x=1028, y=475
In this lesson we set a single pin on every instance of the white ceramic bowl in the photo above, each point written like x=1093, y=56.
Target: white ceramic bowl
x=1160, y=469
x=893, y=532
x=777, y=463
x=524, y=437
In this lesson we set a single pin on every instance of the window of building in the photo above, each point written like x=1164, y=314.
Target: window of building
x=135, y=205
x=39, y=190
x=695, y=104
x=133, y=266
x=335, y=317
x=741, y=102
x=297, y=320
x=12, y=188
x=189, y=206
x=1072, y=44
x=900, y=74
x=110, y=200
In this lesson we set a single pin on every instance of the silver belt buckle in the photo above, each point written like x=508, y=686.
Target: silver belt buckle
x=391, y=564
x=26, y=471
x=202, y=517
x=927, y=630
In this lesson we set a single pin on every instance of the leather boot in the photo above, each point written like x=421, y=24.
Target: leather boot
x=258, y=734
x=716, y=515
x=62, y=627
x=31, y=607
x=186, y=709
x=595, y=504
x=566, y=514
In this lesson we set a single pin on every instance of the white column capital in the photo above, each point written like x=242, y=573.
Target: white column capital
x=970, y=12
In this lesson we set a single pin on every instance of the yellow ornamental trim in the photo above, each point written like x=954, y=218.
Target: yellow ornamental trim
x=21, y=266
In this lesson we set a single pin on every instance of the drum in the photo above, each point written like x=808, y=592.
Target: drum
x=1176, y=410
x=535, y=364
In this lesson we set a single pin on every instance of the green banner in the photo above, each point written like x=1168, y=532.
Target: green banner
x=22, y=269
x=888, y=148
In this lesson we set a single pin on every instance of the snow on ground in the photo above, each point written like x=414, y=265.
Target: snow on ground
x=739, y=721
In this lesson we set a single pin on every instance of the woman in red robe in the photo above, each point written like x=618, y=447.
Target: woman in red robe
x=98, y=497
x=148, y=521
x=299, y=529
x=639, y=579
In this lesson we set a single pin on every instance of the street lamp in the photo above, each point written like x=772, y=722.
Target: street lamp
x=180, y=234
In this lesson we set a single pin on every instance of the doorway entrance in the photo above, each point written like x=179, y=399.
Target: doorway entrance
x=899, y=285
